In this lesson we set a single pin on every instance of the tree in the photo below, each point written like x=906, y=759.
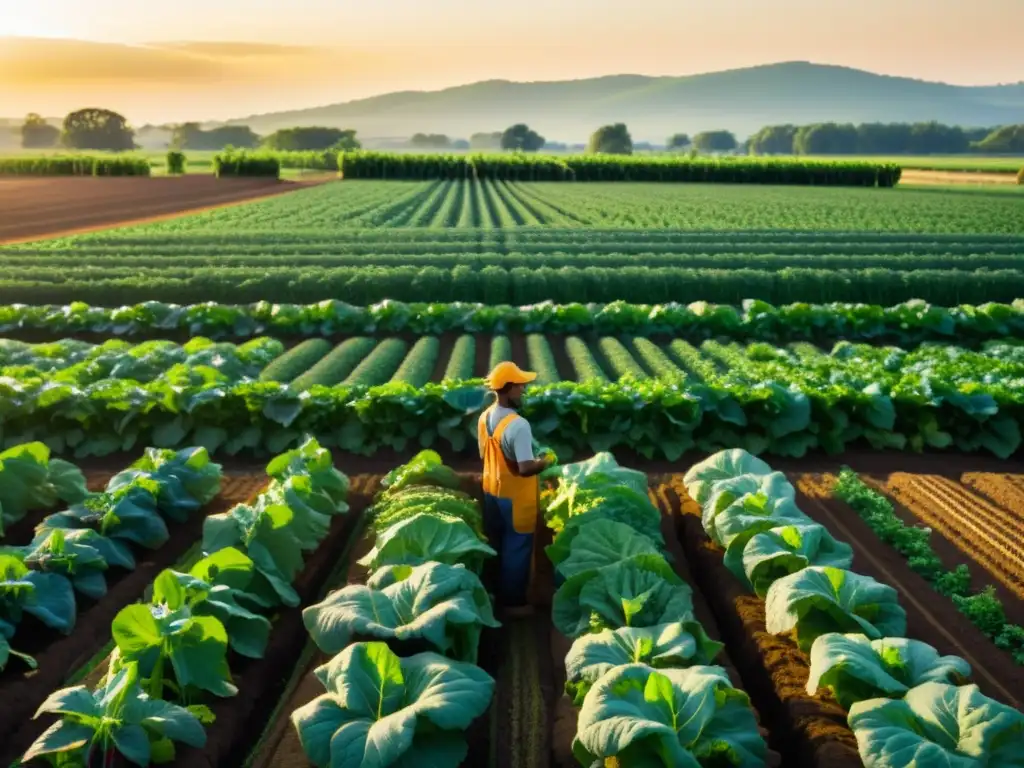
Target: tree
x=1006, y=140
x=430, y=141
x=773, y=140
x=306, y=139
x=36, y=133
x=677, y=141
x=192, y=136
x=611, y=140
x=94, y=128
x=714, y=141
x=519, y=138
x=826, y=139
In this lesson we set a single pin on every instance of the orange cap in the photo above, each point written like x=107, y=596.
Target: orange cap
x=508, y=373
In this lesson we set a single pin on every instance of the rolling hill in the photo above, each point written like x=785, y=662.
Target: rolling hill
x=741, y=100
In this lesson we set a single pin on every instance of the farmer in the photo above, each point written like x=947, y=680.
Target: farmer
x=511, y=486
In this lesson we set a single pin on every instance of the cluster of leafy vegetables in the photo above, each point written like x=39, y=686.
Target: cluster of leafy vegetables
x=912, y=321
x=639, y=663
x=983, y=608
x=905, y=706
x=30, y=480
x=381, y=710
x=78, y=363
x=173, y=649
x=291, y=516
x=73, y=549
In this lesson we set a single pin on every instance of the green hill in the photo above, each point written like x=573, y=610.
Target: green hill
x=741, y=100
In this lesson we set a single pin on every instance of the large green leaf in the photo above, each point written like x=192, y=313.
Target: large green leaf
x=129, y=514
x=701, y=477
x=819, y=600
x=641, y=592
x=737, y=504
x=769, y=555
x=424, y=538
x=24, y=481
x=602, y=543
x=311, y=460
x=443, y=604
x=855, y=668
x=675, y=718
x=381, y=711
x=937, y=724
x=675, y=645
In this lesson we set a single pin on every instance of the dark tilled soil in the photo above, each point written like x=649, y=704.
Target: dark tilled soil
x=931, y=617
x=60, y=656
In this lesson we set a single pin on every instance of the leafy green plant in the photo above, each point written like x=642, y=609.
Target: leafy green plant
x=187, y=479
x=602, y=543
x=938, y=724
x=30, y=479
x=855, y=668
x=819, y=600
x=425, y=468
x=173, y=647
x=175, y=163
x=129, y=514
x=296, y=361
x=311, y=459
x=445, y=605
x=394, y=507
x=641, y=592
x=664, y=646
x=427, y=537
x=80, y=555
x=701, y=478
x=767, y=556
x=116, y=719
x=744, y=506
x=675, y=718
x=381, y=710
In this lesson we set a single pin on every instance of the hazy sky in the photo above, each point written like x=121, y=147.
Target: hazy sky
x=313, y=52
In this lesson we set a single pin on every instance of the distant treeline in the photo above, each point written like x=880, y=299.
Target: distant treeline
x=885, y=139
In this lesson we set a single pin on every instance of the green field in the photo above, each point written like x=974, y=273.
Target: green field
x=520, y=243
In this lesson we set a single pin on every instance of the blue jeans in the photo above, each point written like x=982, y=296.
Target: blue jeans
x=515, y=550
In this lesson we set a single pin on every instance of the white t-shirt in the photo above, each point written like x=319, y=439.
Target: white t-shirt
x=516, y=440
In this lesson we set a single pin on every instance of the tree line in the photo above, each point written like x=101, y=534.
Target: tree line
x=885, y=139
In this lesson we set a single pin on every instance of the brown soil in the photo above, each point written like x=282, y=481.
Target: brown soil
x=34, y=208
x=988, y=532
x=931, y=617
x=910, y=176
x=806, y=730
x=60, y=656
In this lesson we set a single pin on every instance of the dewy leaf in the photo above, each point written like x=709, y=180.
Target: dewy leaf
x=938, y=724
x=381, y=711
x=642, y=592
x=770, y=555
x=855, y=668
x=443, y=604
x=602, y=543
x=675, y=718
x=819, y=600
x=675, y=645
x=424, y=538
x=721, y=466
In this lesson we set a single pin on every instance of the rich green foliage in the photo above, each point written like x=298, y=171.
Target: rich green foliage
x=380, y=365
x=395, y=506
x=428, y=537
x=584, y=364
x=501, y=351
x=74, y=165
x=176, y=163
x=418, y=366
x=542, y=359
x=30, y=479
x=462, y=362
x=381, y=710
x=938, y=724
x=243, y=163
x=443, y=605
x=296, y=361
x=335, y=366
x=855, y=668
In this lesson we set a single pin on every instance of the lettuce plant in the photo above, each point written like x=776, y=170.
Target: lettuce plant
x=724, y=465
x=128, y=513
x=425, y=468
x=118, y=718
x=769, y=555
x=446, y=605
x=383, y=711
x=424, y=538
x=855, y=668
x=316, y=462
x=641, y=516
x=603, y=543
x=408, y=502
x=641, y=592
x=673, y=718
x=819, y=600
x=742, y=506
x=187, y=479
x=675, y=645
x=938, y=724
x=80, y=555
x=30, y=479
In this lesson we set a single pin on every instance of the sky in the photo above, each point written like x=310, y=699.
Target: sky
x=216, y=59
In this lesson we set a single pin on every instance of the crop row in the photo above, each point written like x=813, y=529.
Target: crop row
x=519, y=285
x=403, y=646
x=851, y=626
x=384, y=165
x=639, y=655
x=911, y=322
x=74, y=165
x=171, y=653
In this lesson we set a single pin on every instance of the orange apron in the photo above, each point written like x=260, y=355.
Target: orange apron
x=503, y=481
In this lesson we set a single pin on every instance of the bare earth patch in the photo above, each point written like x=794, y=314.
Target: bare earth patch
x=955, y=177
x=36, y=208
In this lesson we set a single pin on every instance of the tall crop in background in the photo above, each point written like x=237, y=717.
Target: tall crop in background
x=175, y=163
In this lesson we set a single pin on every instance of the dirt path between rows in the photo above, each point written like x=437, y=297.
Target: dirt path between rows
x=912, y=176
x=37, y=208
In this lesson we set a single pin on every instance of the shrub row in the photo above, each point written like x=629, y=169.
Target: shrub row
x=74, y=165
